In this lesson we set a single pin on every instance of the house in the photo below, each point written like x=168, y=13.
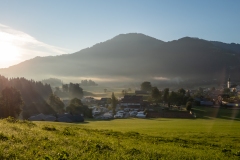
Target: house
x=140, y=92
x=88, y=99
x=214, y=94
x=201, y=101
x=42, y=117
x=104, y=101
x=233, y=87
x=132, y=101
x=69, y=118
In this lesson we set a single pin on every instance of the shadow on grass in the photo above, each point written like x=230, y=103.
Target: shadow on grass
x=223, y=117
x=132, y=118
x=159, y=119
x=204, y=112
x=229, y=118
x=206, y=117
x=94, y=120
x=81, y=122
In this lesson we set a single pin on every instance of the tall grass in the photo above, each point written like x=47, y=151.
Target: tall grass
x=121, y=139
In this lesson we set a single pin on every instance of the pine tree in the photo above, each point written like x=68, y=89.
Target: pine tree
x=114, y=103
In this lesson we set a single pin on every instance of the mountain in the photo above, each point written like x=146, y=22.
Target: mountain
x=231, y=47
x=137, y=57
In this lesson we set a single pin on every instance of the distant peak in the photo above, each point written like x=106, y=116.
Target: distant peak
x=131, y=34
x=190, y=38
x=133, y=37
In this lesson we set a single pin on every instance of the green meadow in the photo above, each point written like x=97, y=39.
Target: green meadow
x=121, y=139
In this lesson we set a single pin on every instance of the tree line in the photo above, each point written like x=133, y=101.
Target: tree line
x=71, y=90
x=32, y=93
x=75, y=107
x=29, y=97
x=180, y=97
x=88, y=83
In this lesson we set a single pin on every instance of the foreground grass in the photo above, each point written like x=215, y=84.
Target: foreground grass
x=121, y=139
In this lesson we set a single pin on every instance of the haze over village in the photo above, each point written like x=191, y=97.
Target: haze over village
x=119, y=80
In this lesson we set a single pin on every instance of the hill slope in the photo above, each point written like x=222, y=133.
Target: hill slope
x=121, y=139
x=128, y=57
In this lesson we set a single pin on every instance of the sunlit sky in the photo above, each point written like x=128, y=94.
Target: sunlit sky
x=53, y=27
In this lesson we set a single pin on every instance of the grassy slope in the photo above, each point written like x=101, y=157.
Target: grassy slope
x=122, y=139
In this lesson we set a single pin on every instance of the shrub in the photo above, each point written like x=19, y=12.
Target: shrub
x=63, y=155
x=14, y=120
x=3, y=137
x=68, y=131
x=11, y=120
x=132, y=134
x=189, y=105
x=133, y=151
x=49, y=128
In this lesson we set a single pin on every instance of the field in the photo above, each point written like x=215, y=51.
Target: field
x=121, y=139
x=98, y=91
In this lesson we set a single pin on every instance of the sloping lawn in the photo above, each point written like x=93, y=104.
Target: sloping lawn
x=121, y=139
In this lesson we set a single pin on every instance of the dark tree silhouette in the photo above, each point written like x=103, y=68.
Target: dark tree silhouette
x=65, y=87
x=11, y=102
x=56, y=103
x=146, y=86
x=166, y=94
x=174, y=97
x=156, y=94
x=75, y=90
x=114, y=103
x=189, y=106
x=182, y=91
x=34, y=95
x=76, y=107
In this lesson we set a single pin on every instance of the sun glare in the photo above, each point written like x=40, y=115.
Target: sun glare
x=9, y=54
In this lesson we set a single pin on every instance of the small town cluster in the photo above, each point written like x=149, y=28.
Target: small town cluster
x=136, y=105
x=70, y=103
x=149, y=102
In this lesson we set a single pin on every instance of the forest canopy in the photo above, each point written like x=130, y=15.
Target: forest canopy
x=34, y=95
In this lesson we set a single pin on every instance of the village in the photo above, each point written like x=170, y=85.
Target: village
x=149, y=102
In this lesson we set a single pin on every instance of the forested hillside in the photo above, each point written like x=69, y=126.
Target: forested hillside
x=34, y=95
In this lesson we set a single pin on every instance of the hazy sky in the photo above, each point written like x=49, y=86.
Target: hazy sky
x=30, y=28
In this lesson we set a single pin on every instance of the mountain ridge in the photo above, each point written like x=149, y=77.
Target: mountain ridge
x=136, y=56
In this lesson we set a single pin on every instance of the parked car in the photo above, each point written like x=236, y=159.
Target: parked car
x=107, y=115
x=118, y=115
x=133, y=113
x=141, y=115
x=120, y=112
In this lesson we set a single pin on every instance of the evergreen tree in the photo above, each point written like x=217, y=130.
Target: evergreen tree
x=156, y=94
x=166, y=94
x=189, y=106
x=146, y=86
x=114, y=103
x=56, y=103
x=75, y=90
x=76, y=107
x=11, y=102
